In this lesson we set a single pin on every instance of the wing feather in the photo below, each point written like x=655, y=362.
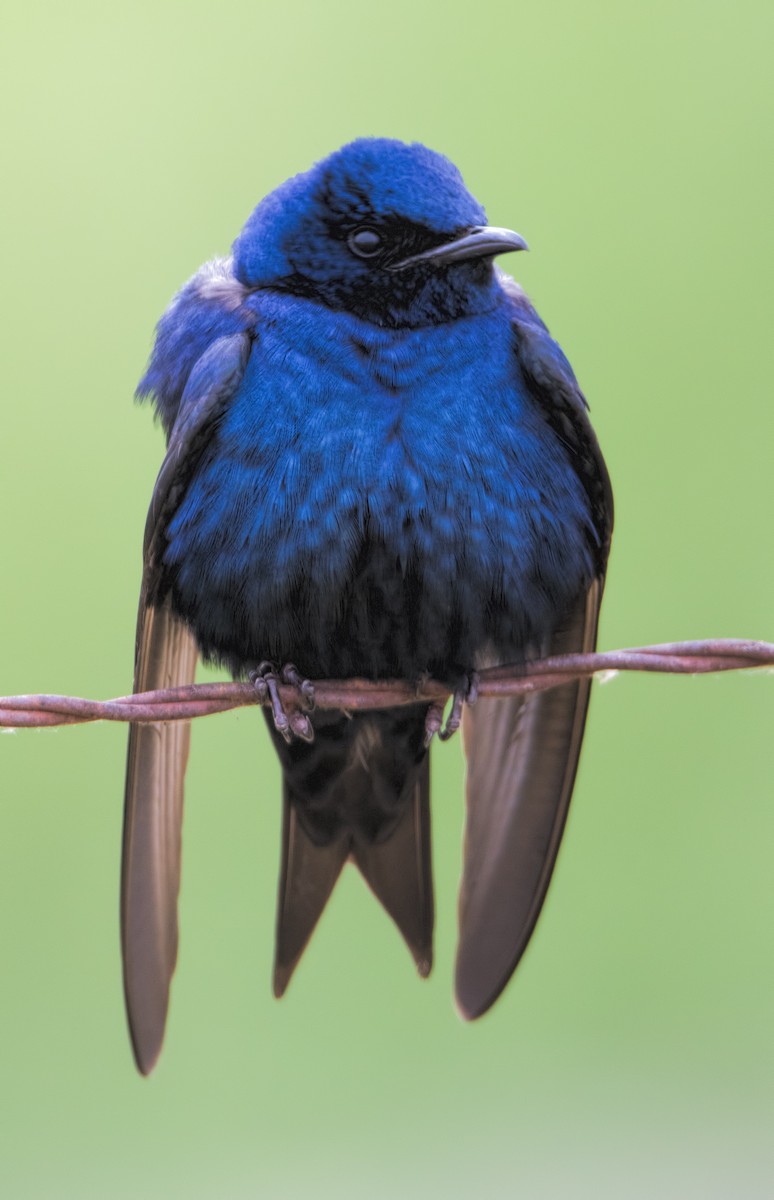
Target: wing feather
x=150, y=884
x=522, y=757
x=165, y=656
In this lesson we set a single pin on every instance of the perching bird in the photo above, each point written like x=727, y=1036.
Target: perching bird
x=379, y=464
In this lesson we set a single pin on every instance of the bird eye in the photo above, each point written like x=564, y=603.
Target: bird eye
x=365, y=242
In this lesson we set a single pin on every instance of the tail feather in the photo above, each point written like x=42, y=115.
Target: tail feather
x=399, y=872
x=361, y=792
x=309, y=873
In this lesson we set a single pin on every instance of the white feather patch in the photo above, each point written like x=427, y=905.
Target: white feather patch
x=216, y=281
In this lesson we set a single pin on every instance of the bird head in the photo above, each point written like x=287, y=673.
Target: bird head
x=380, y=228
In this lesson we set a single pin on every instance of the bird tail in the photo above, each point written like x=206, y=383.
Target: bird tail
x=307, y=878
x=387, y=836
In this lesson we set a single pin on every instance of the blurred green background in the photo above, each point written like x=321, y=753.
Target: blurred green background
x=633, y=1054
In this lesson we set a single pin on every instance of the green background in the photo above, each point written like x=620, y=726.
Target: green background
x=632, y=1055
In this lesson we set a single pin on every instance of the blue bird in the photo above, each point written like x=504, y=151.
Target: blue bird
x=379, y=464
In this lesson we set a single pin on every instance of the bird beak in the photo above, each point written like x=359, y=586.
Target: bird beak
x=483, y=241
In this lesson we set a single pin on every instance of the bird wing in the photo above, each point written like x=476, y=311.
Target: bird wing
x=522, y=757
x=523, y=752
x=165, y=656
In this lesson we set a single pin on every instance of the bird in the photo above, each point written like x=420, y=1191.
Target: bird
x=379, y=464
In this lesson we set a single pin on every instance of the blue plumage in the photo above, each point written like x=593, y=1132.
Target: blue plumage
x=380, y=464
x=413, y=445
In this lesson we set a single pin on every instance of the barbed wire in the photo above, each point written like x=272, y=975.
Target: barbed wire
x=205, y=699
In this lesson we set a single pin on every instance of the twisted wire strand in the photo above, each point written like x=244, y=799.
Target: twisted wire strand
x=205, y=699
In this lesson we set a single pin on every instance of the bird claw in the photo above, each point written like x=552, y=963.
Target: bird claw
x=291, y=675
x=466, y=692
x=433, y=722
x=295, y=723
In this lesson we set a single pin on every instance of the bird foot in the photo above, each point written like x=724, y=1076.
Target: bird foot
x=466, y=692
x=293, y=723
x=433, y=721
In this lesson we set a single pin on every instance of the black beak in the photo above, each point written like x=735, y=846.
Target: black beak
x=483, y=241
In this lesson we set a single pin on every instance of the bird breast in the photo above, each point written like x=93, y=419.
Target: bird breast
x=363, y=480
